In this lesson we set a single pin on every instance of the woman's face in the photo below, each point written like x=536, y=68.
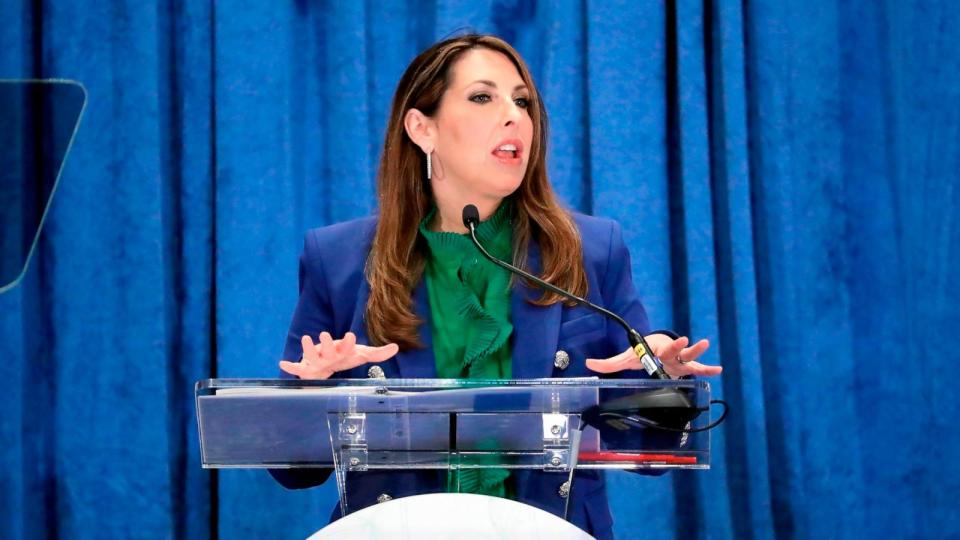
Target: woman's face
x=483, y=128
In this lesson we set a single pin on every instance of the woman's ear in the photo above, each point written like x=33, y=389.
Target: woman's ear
x=421, y=130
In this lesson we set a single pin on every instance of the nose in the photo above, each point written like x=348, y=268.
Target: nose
x=512, y=114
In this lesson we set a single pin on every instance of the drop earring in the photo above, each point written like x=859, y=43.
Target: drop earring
x=429, y=165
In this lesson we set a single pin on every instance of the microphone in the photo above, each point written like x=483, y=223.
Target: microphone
x=652, y=365
x=667, y=409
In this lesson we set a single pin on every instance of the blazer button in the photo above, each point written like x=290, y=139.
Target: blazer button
x=376, y=372
x=561, y=360
x=564, y=490
x=384, y=498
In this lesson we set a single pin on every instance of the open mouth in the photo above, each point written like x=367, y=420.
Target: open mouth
x=506, y=151
x=509, y=152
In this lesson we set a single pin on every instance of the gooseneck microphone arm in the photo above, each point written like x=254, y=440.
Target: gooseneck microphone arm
x=471, y=217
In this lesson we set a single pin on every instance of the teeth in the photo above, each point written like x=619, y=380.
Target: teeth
x=507, y=148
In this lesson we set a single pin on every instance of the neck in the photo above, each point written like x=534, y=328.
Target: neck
x=449, y=216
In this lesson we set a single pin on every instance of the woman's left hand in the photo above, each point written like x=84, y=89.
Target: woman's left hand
x=678, y=359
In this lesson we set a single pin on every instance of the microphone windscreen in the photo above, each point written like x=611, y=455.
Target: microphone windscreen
x=470, y=215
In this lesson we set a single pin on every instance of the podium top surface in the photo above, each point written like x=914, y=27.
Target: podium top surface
x=212, y=385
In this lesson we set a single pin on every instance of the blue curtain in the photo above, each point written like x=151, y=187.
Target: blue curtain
x=784, y=172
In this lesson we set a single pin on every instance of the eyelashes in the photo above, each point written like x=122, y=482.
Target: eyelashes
x=482, y=98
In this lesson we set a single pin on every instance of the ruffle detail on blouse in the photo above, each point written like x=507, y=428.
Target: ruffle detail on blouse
x=491, y=333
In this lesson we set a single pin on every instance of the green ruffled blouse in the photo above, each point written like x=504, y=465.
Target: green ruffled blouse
x=470, y=318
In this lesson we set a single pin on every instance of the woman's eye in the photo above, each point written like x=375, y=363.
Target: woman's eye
x=480, y=98
x=523, y=102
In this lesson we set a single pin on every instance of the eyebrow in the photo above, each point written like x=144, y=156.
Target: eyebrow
x=494, y=85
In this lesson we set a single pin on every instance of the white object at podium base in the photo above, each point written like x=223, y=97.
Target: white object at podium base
x=451, y=515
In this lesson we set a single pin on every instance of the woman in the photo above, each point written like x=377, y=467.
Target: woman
x=467, y=126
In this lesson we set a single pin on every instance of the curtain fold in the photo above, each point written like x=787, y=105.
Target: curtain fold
x=785, y=174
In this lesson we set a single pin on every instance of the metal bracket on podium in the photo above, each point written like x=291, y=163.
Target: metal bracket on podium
x=353, y=441
x=556, y=442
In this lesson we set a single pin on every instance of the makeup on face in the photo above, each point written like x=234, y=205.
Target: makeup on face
x=484, y=129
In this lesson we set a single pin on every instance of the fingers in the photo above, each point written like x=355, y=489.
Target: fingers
x=696, y=368
x=672, y=349
x=693, y=368
x=310, y=353
x=326, y=342
x=677, y=357
x=689, y=354
x=682, y=362
x=328, y=356
x=306, y=370
x=347, y=345
x=379, y=354
x=625, y=360
x=293, y=368
x=312, y=365
x=365, y=354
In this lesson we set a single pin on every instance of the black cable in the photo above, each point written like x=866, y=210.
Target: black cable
x=646, y=422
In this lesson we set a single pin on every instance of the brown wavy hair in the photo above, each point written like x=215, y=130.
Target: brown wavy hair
x=396, y=261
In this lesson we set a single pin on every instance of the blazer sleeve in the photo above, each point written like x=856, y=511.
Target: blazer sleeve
x=618, y=292
x=312, y=315
x=314, y=311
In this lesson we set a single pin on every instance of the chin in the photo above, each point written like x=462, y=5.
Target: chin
x=509, y=184
x=505, y=189
x=497, y=186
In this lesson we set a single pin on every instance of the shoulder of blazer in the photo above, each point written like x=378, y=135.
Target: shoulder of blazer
x=355, y=236
x=336, y=254
x=597, y=235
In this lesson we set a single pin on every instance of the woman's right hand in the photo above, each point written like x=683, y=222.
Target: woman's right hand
x=323, y=359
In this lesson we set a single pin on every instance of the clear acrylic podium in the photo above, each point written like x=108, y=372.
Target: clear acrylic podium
x=555, y=425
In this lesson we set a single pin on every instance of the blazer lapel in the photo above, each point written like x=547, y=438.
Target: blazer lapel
x=536, y=329
x=415, y=363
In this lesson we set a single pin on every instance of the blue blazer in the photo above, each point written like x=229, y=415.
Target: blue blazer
x=333, y=297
